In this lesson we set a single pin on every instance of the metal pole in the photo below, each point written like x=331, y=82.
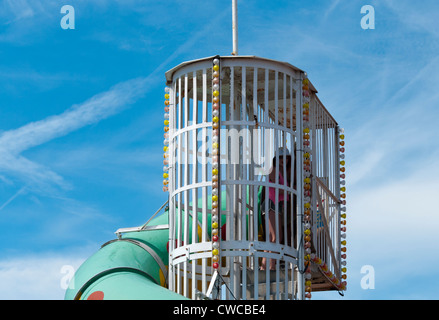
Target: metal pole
x=235, y=26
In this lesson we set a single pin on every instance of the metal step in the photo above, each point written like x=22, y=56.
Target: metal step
x=319, y=282
x=276, y=290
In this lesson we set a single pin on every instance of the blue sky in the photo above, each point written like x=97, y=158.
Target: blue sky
x=81, y=125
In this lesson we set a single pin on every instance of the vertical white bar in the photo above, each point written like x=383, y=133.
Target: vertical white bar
x=230, y=166
x=225, y=143
x=172, y=171
x=204, y=179
x=194, y=176
x=179, y=182
x=325, y=209
x=243, y=170
x=325, y=147
x=286, y=194
x=294, y=164
x=315, y=170
x=230, y=220
x=267, y=152
x=255, y=153
x=293, y=185
x=236, y=220
x=186, y=182
x=277, y=144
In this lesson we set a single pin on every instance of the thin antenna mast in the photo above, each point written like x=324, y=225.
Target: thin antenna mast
x=235, y=26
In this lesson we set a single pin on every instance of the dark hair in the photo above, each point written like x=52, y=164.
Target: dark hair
x=287, y=156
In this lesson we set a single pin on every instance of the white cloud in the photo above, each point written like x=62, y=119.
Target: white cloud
x=393, y=227
x=39, y=276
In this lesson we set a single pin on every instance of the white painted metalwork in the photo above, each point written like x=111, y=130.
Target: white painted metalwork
x=261, y=112
x=235, y=26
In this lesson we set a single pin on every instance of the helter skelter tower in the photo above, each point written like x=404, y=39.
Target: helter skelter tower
x=241, y=225
x=254, y=171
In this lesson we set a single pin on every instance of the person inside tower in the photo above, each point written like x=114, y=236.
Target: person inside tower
x=283, y=202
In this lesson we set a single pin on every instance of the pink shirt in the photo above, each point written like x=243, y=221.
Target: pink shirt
x=272, y=191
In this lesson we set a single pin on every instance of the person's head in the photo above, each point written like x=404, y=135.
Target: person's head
x=281, y=151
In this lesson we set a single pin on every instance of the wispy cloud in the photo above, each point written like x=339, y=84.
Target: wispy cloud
x=16, y=79
x=402, y=135
x=24, y=20
x=331, y=8
x=12, y=198
x=36, y=176
x=16, y=10
x=422, y=17
x=97, y=108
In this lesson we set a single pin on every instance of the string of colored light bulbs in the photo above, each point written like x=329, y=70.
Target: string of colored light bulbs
x=341, y=285
x=307, y=203
x=215, y=160
x=343, y=208
x=307, y=185
x=166, y=142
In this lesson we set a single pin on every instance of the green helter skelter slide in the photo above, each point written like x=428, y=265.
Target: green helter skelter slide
x=133, y=266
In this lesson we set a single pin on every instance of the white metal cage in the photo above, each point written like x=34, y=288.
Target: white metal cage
x=229, y=118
